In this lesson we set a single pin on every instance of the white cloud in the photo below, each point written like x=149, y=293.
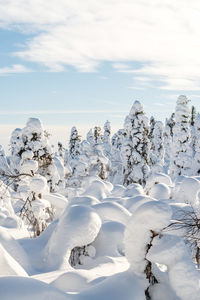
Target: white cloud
x=60, y=112
x=163, y=35
x=14, y=69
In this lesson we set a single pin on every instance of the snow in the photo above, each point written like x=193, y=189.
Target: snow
x=150, y=216
x=102, y=211
x=112, y=211
x=171, y=251
x=80, y=226
x=28, y=288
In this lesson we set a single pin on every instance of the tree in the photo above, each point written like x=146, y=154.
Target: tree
x=31, y=143
x=181, y=144
x=74, y=143
x=168, y=135
x=135, y=150
x=157, y=148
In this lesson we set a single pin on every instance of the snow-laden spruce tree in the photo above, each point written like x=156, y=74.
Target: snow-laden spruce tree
x=157, y=148
x=74, y=143
x=61, y=151
x=135, y=149
x=106, y=139
x=116, y=170
x=180, y=163
x=32, y=142
x=168, y=135
x=196, y=146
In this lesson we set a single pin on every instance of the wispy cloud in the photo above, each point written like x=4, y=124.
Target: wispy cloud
x=163, y=35
x=53, y=112
x=14, y=69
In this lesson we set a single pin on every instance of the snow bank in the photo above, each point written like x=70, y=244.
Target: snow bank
x=78, y=226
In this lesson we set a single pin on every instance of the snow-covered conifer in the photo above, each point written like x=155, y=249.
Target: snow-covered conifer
x=74, y=143
x=157, y=148
x=106, y=139
x=168, y=135
x=180, y=163
x=135, y=149
x=196, y=145
x=31, y=143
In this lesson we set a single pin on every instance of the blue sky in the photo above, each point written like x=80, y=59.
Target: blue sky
x=81, y=63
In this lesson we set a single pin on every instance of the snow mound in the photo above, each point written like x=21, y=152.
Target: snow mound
x=160, y=191
x=111, y=211
x=14, y=249
x=153, y=215
x=98, y=189
x=110, y=231
x=58, y=202
x=187, y=191
x=27, y=288
x=78, y=226
x=184, y=278
x=138, y=201
x=39, y=185
x=134, y=190
x=84, y=200
x=8, y=265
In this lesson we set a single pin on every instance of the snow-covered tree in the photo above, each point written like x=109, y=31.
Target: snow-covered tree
x=168, y=135
x=116, y=170
x=31, y=143
x=157, y=148
x=181, y=143
x=135, y=149
x=196, y=146
x=74, y=143
x=193, y=115
x=106, y=139
x=61, y=151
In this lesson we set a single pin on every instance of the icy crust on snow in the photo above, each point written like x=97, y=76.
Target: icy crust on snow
x=153, y=215
x=78, y=226
x=27, y=288
x=171, y=251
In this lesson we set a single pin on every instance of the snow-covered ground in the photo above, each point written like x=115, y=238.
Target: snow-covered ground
x=102, y=220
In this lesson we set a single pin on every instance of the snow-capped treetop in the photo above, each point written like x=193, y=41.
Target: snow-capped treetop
x=34, y=125
x=137, y=108
x=182, y=109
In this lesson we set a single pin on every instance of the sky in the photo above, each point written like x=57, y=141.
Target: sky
x=83, y=62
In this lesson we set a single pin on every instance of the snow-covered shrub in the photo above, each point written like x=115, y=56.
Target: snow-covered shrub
x=135, y=149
